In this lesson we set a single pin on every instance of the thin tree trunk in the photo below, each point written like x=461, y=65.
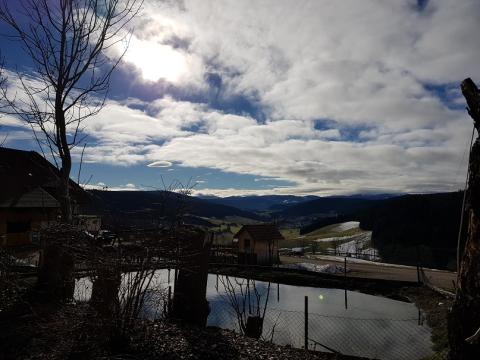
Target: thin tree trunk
x=464, y=318
x=66, y=158
x=66, y=201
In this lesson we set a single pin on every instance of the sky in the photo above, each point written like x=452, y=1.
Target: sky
x=282, y=97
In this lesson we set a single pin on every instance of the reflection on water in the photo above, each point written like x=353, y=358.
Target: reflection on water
x=371, y=326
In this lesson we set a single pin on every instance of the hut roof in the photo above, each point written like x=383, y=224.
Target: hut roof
x=262, y=232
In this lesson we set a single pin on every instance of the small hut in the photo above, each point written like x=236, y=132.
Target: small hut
x=257, y=244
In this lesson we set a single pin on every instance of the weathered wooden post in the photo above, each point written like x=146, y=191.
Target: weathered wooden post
x=56, y=275
x=105, y=290
x=464, y=317
x=189, y=299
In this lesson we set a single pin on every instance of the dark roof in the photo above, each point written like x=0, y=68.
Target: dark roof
x=21, y=172
x=37, y=198
x=262, y=232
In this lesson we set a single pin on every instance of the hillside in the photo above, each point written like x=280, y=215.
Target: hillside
x=327, y=206
x=260, y=202
x=413, y=228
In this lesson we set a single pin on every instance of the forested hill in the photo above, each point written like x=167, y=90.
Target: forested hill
x=327, y=205
x=413, y=228
x=164, y=202
x=261, y=202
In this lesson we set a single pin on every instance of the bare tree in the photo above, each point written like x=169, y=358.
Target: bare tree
x=71, y=46
x=4, y=140
x=3, y=80
x=246, y=301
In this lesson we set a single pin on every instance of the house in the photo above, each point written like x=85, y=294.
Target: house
x=257, y=244
x=29, y=193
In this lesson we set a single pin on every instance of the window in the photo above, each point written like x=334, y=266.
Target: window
x=14, y=227
x=247, y=244
x=36, y=238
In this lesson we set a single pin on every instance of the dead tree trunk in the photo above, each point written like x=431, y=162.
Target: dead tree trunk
x=189, y=300
x=61, y=244
x=464, y=318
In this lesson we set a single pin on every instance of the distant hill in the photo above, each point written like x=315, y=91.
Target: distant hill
x=371, y=196
x=407, y=229
x=260, y=202
x=328, y=206
x=163, y=202
x=413, y=228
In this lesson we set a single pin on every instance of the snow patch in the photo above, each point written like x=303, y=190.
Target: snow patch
x=324, y=269
x=334, y=239
x=357, y=243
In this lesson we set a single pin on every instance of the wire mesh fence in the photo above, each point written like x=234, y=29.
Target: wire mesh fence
x=372, y=338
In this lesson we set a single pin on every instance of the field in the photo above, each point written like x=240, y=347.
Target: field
x=328, y=237
x=319, y=238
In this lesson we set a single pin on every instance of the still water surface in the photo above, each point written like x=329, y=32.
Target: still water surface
x=370, y=326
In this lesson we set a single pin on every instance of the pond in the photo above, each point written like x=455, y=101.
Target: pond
x=348, y=322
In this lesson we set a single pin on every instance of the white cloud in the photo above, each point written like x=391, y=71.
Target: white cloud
x=361, y=67
x=103, y=186
x=350, y=61
x=160, y=164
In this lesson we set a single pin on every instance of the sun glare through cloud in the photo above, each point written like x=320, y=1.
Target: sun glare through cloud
x=156, y=61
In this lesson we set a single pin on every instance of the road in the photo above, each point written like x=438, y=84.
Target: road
x=438, y=278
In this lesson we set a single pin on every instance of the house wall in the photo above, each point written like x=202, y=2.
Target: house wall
x=33, y=220
x=260, y=248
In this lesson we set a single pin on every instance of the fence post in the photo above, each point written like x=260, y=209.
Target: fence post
x=345, y=282
x=169, y=299
x=306, y=322
x=418, y=273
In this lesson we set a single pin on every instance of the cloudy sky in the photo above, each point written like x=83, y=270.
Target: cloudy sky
x=284, y=97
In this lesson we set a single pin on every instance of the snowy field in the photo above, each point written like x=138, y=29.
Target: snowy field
x=357, y=245
x=346, y=226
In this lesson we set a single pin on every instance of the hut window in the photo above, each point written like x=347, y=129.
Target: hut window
x=14, y=227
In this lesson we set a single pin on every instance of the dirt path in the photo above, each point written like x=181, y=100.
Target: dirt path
x=438, y=278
